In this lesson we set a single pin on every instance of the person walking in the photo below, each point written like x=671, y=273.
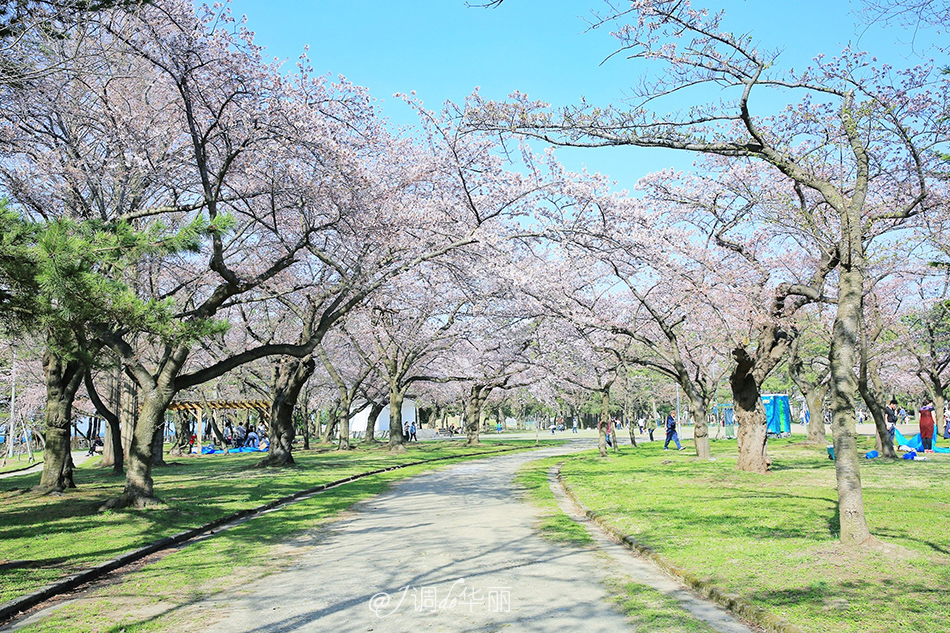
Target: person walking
x=671, y=433
x=927, y=425
x=574, y=427
x=650, y=423
x=412, y=431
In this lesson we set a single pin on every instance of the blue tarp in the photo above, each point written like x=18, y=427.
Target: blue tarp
x=728, y=416
x=778, y=412
x=210, y=450
x=917, y=443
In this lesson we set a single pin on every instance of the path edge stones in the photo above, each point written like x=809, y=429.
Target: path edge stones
x=10, y=609
x=731, y=602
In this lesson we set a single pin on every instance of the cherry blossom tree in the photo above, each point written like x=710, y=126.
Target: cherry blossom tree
x=860, y=140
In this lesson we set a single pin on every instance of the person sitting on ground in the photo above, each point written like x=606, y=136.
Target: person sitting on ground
x=252, y=439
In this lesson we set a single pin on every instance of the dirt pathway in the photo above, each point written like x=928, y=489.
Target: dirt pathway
x=452, y=550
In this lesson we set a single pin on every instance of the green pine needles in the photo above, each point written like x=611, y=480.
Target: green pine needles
x=65, y=279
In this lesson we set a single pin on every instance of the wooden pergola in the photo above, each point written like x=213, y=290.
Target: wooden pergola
x=199, y=407
x=262, y=406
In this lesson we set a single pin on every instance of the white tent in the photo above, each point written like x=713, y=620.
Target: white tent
x=358, y=418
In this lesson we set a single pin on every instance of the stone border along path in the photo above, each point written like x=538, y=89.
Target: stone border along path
x=10, y=610
x=450, y=550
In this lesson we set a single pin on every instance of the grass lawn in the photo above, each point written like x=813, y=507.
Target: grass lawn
x=44, y=538
x=18, y=462
x=772, y=538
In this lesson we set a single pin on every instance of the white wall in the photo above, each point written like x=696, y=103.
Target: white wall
x=358, y=418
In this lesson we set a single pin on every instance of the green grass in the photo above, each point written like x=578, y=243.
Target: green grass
x=651, y=611
x=20, y=461
x=554, y=524
x=160, y=595
x=44, y=538
x=772, y=538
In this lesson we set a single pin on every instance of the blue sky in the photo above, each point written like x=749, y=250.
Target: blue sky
x=442, y=50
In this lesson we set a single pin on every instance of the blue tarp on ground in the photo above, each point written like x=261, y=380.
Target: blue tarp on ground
x=917, y=443
x=210, y=450
x=778, y=412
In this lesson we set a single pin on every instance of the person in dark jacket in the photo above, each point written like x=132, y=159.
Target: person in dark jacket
x=671, y=433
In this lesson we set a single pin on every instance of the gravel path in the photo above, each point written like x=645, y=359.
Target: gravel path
x=452, y=550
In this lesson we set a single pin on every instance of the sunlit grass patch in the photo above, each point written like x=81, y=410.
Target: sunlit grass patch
x=773, y=538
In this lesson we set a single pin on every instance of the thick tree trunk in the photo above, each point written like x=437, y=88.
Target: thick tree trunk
x=815, y=399
x=158, y=445
x=751, y=422
x=63, y=378
x=375, y=409
x=846, y=335
x=752, y=438
x=397, y=442
x=697, y=410
x=288, y=378
x=138, y=477
x=473, y=414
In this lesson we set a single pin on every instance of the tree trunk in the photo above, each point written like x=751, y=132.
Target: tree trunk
x=751, y=422
x=183, y=433
x=288, y=378
x=128, y=412
x=63, y=378
x=473, y=414
x=112, y=448
x=138, y=477
x=158, y=444
x=868, y=386
x=344, y=424
x=397, y=443
x=375, y=409
x=815, y=399
x=112, y=453
x=846, y=334
x=697, y=410
x=333, y=421
x=936, y=388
